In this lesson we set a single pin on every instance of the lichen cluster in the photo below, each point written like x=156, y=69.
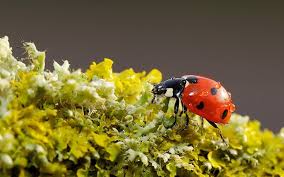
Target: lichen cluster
x=101, y=123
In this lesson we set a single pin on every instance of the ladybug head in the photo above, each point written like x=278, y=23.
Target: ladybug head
x=159, y=89
x=170, y=88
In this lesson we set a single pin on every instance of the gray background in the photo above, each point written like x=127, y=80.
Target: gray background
x=240, y=44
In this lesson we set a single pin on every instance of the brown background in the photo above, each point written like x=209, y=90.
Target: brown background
x=240, y=44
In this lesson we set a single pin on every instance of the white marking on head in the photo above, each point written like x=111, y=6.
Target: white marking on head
x=169, y=92
x=186, y=84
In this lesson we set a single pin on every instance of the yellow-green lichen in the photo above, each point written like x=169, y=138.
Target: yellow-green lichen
x=102, y=123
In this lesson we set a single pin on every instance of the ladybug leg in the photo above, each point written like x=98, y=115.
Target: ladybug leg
x=219, y=131
x=202, y=124
x=176, y=109
x=184, y=109
x=176, y=106
x=186, y=121
x=154, y=98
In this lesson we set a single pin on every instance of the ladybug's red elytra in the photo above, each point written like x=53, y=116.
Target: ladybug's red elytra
x=200, y=95
x=208, y=99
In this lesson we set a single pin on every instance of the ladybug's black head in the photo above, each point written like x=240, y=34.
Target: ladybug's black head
x=170, y=88
x=159, y=89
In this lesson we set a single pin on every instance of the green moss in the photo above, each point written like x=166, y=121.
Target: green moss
x=102, y=123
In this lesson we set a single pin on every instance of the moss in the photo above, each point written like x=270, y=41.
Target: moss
x=102, y=123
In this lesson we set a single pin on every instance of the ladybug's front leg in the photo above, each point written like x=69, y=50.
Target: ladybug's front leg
x=184, y=109
x=154, y=98
x=176, y=109
x=176, y=106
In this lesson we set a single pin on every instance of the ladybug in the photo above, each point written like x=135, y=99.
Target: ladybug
x=200, y=95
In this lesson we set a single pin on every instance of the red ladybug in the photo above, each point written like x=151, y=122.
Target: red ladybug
x=200, y=95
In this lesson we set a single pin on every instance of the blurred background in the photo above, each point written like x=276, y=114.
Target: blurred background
x=240, y=44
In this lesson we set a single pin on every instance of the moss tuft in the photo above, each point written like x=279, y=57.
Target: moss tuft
x=102, y=123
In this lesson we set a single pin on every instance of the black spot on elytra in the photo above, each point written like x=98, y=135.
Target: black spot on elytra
x=213, y=91
x=200, y=105
x=192, y=79
x=225, y=113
